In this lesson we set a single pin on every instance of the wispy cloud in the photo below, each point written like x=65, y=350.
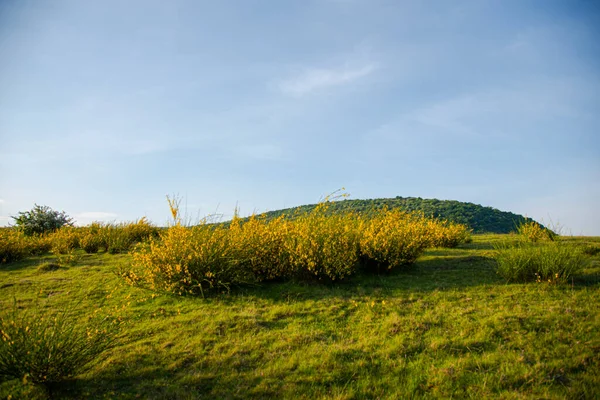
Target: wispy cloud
x=313, y=79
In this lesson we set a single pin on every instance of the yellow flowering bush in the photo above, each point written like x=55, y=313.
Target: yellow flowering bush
x=260, y=246
x=120, y=238
x=64, y=240
x=447, y=234
x=319, y=245
x=90, y=242
x=14, y=245
x=188, y=260
x=533, y=232
x=393, y=238
x=39, y=244
x=323, y=246
x=140, y=231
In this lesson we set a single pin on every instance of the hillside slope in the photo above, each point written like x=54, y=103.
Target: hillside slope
x=479, y=218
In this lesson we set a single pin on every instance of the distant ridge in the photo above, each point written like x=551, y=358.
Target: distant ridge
x=479, y=218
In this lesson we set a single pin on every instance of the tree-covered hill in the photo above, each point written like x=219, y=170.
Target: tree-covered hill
x=479, y=218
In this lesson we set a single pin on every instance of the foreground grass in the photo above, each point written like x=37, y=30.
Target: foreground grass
x=447, y=327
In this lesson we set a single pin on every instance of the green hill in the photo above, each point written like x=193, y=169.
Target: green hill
x=479, y=218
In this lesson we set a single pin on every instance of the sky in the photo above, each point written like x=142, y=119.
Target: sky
x=108, y=106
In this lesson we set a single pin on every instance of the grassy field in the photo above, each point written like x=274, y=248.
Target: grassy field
x=448, y=326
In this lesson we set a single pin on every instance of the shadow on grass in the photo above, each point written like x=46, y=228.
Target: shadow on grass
x=115, y=383
x=586, y=280
x=136, y=379
x=429, y=274
x=84, y=260
x=29, y=262
x=233, y=380
x=426, y=275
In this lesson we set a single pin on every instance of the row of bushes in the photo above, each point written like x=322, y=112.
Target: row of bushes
x=15, y=244
x=314, y=246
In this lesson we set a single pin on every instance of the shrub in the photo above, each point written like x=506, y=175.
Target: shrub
x=117, y=240
x=317, y=245
x=391, y=239
x=260, y=246
x=447, y=234
x=550, y=262
x=188, y=260
x=323, y=247
x=13, y=245
x=120, y=238
x=41, y=219
x=90, y=242
x=39, y=244
x=47, y=347
x=533, y=232
x=64, y=240
x=140, y=231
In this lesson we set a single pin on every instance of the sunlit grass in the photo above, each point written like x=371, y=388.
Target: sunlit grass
x=448, y=326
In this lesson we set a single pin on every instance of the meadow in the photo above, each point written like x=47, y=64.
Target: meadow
x=441, y=322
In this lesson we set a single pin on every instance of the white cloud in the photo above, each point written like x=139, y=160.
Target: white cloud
x=313, y=79
x=2, y=201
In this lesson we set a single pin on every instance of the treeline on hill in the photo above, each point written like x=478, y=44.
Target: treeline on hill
x=478, y=218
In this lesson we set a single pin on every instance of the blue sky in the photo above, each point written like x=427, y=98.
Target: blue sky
x=108, y=106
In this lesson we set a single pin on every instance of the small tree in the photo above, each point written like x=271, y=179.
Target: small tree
x=41, y=219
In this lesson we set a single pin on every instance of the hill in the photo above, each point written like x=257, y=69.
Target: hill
x=479, y=218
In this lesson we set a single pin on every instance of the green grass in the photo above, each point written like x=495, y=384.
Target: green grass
x=554, y=261
x=450, y=326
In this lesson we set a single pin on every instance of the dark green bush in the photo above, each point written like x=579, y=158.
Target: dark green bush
x=41, y=219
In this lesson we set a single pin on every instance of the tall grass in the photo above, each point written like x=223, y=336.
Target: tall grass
x=551, y=262
x=42, y=346
x=537, y=254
